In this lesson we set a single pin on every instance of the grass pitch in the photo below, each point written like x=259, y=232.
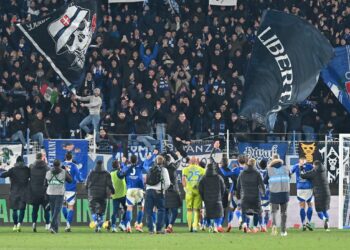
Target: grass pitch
x=85, y=238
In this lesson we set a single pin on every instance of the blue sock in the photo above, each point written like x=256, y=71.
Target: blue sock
x=154, y=217
x=128, y=217
x=70, y=216
x=248, y=221
x=266, y=218
x=208, y=222
x=325, y=214
x=230, y=216
x=238, y=214
x=261, y=221
x=320, y=215
x=140, y=217
x=65, y=212
x=309, y=213
x=94, y=217
x=302, y=215
x=100, y=220
x=217, y=222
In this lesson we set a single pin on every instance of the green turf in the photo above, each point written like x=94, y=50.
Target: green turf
x=85, y=238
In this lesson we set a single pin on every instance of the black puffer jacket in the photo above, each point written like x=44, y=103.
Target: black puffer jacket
x=322, y=193
x=212, y=188
x=172, y=194
x=19, y=178
x=97, y=183
x=249, y=188
x=37, y=179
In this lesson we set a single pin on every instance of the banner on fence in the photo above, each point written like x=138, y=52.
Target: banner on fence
x=223, y=2
x=57, y=149
x=328, y=155
x=8, y=156
x=260, y=151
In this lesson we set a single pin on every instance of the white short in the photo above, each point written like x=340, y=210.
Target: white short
x=265, y=205
x=69, y=197
x=304, y=195
x=234, y=203
x=134, y=196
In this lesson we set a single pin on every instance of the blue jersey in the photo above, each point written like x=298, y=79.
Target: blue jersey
x=302, y=183
x=232, y=173
x=266, y=197
x=75, y=173
x=134, y=174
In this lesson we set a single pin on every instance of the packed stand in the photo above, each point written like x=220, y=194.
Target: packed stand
x=158, y=73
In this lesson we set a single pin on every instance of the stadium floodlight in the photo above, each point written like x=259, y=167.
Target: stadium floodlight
x=344, y=181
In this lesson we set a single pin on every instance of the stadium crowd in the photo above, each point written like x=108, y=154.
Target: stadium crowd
x=158, y=73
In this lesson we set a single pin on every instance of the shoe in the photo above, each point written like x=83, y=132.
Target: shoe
x=122, y=227
x=138, y=228
x=229, y=227
x=52, y=231
x=274, y=231
x=169, y=230
x=47, y=226
x=114, y=229
x=26, y=146
x=254, y=230
x=34, y=227
x=160, y=232
x=202, y=227
x=14, y=228
x=220, y=230
x=194, y=230
x=215, y=230
x=128, y=229
x=245, y=228
x=304, y=228
x=308, y=226
x=68, y=229
x=284, y=234
x=263, y=229
x=211, y=229
x=18, y=227
x=89, y=137
x=98, y=230
x=326, y=225
x=240, y=226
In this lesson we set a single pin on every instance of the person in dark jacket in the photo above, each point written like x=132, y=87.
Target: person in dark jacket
x=278, y=179
x=38, y=195
x=212, y=189
x=322, y=193
x=143, y=129
x=180, y=132
x=37, y=126
x=119, y=131
x=172, y=195
x=17, y=128
x=19, y=177
x=97, y=183
x=250, y=188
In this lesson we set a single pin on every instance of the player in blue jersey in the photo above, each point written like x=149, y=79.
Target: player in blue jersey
x=304, y=192
x=71, y=190
x=265, y=200
x=234, y=203
x=133, y=173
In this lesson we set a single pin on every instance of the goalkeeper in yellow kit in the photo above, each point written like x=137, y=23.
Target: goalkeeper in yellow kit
x=191, y=176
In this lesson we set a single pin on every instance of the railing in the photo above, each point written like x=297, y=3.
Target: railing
x=229, y=141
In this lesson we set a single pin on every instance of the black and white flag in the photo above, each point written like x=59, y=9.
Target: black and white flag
x=64, y=36
x=284, y=67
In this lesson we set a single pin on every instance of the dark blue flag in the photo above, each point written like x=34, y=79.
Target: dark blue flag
x=285, y=64
x=337, y=75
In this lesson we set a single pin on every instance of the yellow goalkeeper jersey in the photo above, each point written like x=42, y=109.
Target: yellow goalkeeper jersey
x=193, y=173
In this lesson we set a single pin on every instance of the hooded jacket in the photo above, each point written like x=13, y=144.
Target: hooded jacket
x=37, y=179
x=212, y=189
x=97, y=183
x=322, y=193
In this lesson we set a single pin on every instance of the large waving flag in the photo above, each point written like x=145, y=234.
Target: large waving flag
x=284, y=67
x=64, y=36
x=337, y=75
